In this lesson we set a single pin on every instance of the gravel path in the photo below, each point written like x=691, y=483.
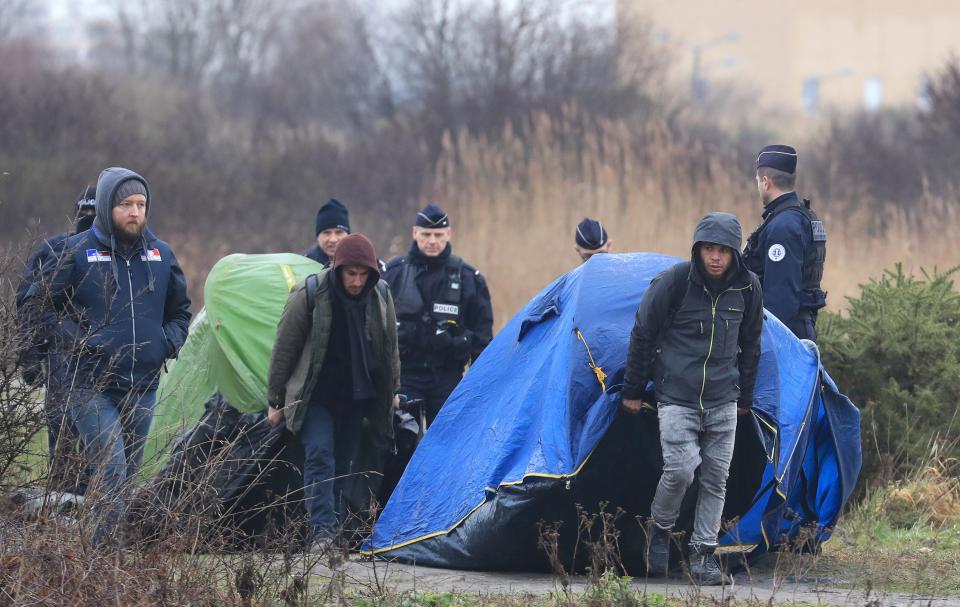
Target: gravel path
x=758, y=585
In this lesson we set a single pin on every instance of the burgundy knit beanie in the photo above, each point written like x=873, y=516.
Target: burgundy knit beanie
x=356, y=250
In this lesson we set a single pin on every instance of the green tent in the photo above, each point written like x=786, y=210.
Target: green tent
x=228, y=348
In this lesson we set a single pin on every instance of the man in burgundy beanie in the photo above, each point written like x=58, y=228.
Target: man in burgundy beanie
x=334, y=363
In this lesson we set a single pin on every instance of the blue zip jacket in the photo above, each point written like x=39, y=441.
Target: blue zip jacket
x=122, y=313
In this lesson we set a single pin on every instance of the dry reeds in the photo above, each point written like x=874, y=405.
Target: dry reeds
x=514, y=203
x=931, y=496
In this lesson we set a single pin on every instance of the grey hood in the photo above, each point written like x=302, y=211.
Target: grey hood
x=718, y=228
x=107, y=185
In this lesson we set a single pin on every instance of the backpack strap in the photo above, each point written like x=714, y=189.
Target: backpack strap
x=678, y=292
x=312, y=283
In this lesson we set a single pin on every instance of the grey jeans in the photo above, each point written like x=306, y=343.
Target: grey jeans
x=691, y=438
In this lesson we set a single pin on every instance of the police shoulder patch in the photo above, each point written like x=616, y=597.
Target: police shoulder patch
x=819, y=232
x=776, y=252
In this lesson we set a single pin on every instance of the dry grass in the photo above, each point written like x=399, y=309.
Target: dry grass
x=904, y=537
x=515, y=203
x=930, y=497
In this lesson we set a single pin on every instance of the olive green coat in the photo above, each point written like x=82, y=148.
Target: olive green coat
x=301, y=346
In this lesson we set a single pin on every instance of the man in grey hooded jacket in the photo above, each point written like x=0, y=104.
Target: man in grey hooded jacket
x=697, y=337
x=119, y=309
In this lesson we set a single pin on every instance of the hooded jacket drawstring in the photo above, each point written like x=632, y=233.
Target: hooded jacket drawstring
x=113, y=260
x=143, y=247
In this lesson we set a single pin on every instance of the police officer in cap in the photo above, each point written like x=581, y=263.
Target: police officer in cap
x=333, y=225
x=444, y=315
x=591, y=238
x=789, y=248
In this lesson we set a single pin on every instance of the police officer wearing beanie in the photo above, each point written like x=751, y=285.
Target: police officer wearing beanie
x=591, y=238
x=789, y=248
x=333, y=225
x=444, y=315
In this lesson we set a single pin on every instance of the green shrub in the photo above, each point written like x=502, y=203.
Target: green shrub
x=896, y=354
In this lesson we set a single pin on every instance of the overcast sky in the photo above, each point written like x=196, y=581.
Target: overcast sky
x=66, y=20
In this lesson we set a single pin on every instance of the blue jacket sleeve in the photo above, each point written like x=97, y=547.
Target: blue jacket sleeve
x=784, y=243
x=176, y=311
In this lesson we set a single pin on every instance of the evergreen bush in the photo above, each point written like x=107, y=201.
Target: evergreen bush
x=896, y=353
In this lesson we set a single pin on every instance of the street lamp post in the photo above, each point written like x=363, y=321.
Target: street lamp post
x=699, y=87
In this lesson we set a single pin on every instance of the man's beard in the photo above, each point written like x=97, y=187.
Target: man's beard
x=124, y=235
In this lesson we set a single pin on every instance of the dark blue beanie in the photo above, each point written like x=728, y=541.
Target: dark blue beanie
x=333, y=215
x=780, y=157
x=590, y=234
x=432, y=216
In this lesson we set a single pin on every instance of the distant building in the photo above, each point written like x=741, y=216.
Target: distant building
x=807, y=57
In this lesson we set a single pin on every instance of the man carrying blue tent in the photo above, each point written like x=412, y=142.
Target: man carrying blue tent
x=697, y=337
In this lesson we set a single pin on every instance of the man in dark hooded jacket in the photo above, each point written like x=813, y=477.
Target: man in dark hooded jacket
x=120, y=311
x=335, y=362
x=35, y=357
x=697, y=337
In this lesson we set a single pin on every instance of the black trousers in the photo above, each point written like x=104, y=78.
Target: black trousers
x=803, y=327
x=433, y=386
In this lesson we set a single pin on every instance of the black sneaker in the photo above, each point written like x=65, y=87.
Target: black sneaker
x=658, y=549
x=704, y=566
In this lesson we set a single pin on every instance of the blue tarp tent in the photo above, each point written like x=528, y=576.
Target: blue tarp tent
x=534, y=430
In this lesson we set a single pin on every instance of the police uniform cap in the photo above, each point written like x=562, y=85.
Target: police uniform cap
x=590, y=234
x=432, y=217
x=780, y=157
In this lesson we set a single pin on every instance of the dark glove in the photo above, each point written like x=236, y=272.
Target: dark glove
x=406, y=332
x=743, y=406
x=461, y=344
x=440, y=340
